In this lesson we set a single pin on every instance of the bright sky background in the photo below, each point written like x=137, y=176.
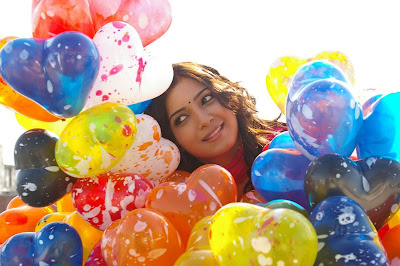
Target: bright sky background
x=243, y=38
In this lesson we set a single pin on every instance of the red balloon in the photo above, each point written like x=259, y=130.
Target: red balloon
x=151, y=19
x=391, y=243
x=109, y=197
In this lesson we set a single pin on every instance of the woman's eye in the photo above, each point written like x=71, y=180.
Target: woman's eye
x=180, y=119
x=206, y=98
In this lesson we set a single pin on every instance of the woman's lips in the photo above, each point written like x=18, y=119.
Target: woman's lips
x=214, y=134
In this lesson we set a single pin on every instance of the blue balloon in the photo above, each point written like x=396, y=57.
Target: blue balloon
x=55, y=244
x=57, y=73
x=279, y=174
x=282, y=141
x=346, y=236
x=314, y=71
x=324, y=117
x=380, y=133
x=139, y=108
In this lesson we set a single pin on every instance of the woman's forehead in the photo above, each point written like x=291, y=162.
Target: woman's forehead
x=183, y=92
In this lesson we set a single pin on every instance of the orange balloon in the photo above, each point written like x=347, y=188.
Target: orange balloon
x=20, y=103
x=15, y=202
x=20, y=219
x=207, y=189
x=90, y=235
x=391, y=243
x=252, y=197
x=142, y=237
x=177, y=176
x=65, y=204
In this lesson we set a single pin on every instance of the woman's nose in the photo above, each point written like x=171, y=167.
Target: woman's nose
x=204, y=119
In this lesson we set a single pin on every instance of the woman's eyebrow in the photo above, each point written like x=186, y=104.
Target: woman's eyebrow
x=183, y=108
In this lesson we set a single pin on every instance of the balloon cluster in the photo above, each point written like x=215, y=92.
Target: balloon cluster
x=97, y=183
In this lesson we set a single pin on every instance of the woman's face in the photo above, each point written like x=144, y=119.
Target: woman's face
x=200, y=123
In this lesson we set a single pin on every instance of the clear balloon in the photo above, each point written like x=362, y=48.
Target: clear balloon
x=246, y=234
x=56, y=73
x=150, y=18
x=127, y=75
x=150, y=155
x=95, y=140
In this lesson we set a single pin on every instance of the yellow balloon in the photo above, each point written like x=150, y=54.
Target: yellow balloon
x=283, y=69
x=395, y=220
x=90, y=235
x=197, y=258
x=56, y=127
x=50, y=218
x=198, y=238
x=96, y=140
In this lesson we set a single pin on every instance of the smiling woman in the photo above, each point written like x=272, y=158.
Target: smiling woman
x=212, y=120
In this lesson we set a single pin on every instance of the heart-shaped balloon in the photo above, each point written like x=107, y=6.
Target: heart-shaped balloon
x=380, y=132
x=346, y=236
x=150, y=18
x=55, y=244
x=109, y=197
x=40, y=182
x=89, y=234
x=322, y=114
x=57, y=73
x=374, y=183
x=392, y=245
x=142, y=237
x=150, y=155
x=246, y=234
x=281, y=141
x=127, y=75
x=19, y=218
x=281, y=73
x=95, y=257
x=95, y=140
x=19, y=103
x=207, y=189
x=279, y=174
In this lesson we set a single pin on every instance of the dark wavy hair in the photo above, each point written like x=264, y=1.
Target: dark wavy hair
x=252, y=129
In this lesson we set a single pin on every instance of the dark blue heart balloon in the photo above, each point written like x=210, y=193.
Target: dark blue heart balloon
x=55, y=244
x=380, y=133
x=279, y=174
x=324, y=117
x=57, y=73
x=282, y=141
x=345, y=234
x=40, y=181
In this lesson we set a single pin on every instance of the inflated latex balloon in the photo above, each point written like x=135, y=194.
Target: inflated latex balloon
x=391, y=244
x=22, y=218
x=40, y=182
x=286, y=204
x=109, y=197
x=142, y=237
x=346, y=236
x=197, y=258
x=283, y=69
x=252, y=197
x=281, y=141
x=367, y=106
x=208, y=188
x=19, y=103
x=127, y=74
x=50, y=218
x=55, y=244
x=373, y=182
x=138, y=108
x=56, y=73
x=150, y=155
x=89, y=235
x=198, y=238
x=322, y=114
x=95, y=257
x=65, y=204
x=246, y=234
x=95, y=140
x=380, y=132
x=150, y=18
x=279, y=174
x=56, y=127
x=179, y=176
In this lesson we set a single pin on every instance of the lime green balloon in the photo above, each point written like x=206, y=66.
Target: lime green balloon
x=246, y=234
x=95, y=140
